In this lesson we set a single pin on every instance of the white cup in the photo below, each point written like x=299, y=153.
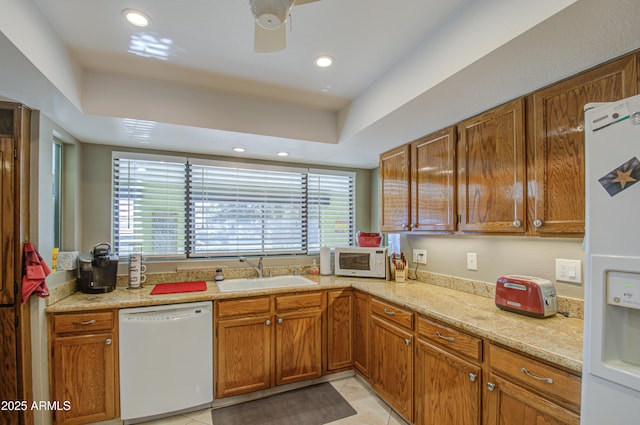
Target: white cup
x=136, y=270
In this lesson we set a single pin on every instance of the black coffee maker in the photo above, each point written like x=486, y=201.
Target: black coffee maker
x=97, y=270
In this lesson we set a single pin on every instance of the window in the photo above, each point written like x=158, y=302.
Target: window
x=198, y=208
x=56, y=193
x=149, y=198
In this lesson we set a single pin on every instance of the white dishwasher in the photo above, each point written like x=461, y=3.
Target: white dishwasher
x=166, y=359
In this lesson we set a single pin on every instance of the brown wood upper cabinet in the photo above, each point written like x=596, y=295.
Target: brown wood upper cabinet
x=394, y=190
x=418, y=185
x=556, y=144
x=433, y=194
x=491, y=171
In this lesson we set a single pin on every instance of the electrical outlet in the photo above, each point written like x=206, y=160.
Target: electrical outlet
x=420, y=256
x=472, y=261
x=569, y=270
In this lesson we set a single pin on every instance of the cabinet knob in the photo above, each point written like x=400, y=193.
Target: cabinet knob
x=537, y=223
x=412, y=225
x=280, y=321
x=516, y=223
x=268, y=322
x=404, y=226
x=473, y=377
x=407, y=341
x=491, y=386
x=108, y=341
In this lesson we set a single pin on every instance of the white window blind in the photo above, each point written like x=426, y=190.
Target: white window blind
x=236, y=210
x=149, y=205
x=171, y=206
x=331, y=209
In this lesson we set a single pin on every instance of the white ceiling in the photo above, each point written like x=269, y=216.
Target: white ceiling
x=403, y=68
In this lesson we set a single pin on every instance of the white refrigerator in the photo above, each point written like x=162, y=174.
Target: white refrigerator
x=611, y=362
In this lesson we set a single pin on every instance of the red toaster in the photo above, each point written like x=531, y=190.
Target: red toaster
x=532, y=296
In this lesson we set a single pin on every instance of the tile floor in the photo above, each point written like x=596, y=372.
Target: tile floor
x=371, y=409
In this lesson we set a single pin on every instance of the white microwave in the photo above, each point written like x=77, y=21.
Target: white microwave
x=362, y=262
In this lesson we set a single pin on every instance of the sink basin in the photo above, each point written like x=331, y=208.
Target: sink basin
x=264, y=283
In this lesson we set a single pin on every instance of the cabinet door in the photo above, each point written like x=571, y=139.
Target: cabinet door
x=392, y=365
x=448, y=390
x=84, y=374
x=339, y=330
x=361, y=331
x=491, y=171
x=394, y=190
x=8, y=365
x=433, y=190
x=7, y=218
x=298, y=346
x=511, y=404
x=556, y=151
x=243, y=355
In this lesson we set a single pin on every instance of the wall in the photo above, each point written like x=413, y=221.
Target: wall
x=497, y=255
x=43, y=131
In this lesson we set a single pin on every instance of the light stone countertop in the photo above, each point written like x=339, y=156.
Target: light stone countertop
x=556, y=339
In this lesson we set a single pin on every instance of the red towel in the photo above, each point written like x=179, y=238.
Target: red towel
x=175, y=287
x=35, y=272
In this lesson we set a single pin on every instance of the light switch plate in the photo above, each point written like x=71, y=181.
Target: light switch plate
x=420, y=256
x=568, y=270
x=472, y=261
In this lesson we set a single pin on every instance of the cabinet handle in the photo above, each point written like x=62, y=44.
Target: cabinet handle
x=516, y=223
x=268, y=322
x=448, y=338
x=537, y=223
x=547, y=380
x=390, y=312
x=108, y=341
x=407, y=341
x=86, y=322
x=280, y=321
x=472, y=377
x=491, y=386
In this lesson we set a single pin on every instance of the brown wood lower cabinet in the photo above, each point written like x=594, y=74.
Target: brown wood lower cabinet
x=392, y=356
x=448, y=389
x=524, y=391
x=340, y=329
x=362, y=332
x=265, y=341
x=448, y=376
x=84, y=372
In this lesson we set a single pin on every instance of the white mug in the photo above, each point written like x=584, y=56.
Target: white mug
x=136, y=270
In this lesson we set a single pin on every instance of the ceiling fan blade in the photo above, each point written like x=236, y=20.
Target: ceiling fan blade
x=299, y=2
x=267, y=41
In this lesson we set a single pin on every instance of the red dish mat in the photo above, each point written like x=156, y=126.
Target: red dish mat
x=175, y=287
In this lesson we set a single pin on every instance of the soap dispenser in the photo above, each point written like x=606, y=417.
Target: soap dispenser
x=314, y=267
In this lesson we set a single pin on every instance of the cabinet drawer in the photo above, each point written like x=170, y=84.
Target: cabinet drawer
x=80, y=322
x=451, y=339
x=392, y=313
x=298, y=301
x=555, y=382
x=244, y=306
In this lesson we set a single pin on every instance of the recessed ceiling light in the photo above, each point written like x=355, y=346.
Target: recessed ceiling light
x=283, y=153
x=323, y=61
x=136, y=17
x=239, y=149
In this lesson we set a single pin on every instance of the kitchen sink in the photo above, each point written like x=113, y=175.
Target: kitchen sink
x=263, y=283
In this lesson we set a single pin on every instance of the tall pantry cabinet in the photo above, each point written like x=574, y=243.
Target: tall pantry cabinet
x=15, y=372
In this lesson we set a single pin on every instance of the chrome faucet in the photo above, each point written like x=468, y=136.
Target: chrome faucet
x=258, y=267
